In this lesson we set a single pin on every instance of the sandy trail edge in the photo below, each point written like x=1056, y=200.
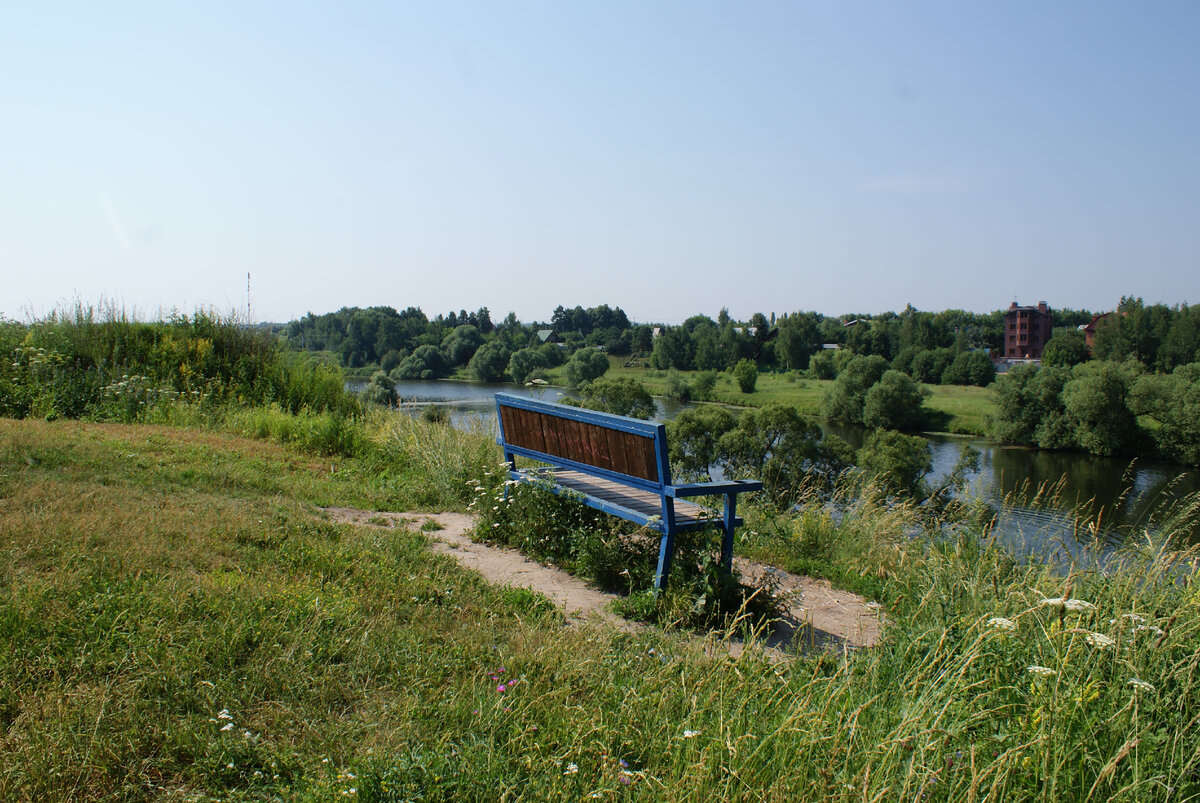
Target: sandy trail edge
x=818, y=616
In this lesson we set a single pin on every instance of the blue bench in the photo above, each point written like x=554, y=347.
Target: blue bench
x=614, y=464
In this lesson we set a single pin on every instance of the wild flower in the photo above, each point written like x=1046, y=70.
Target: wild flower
x=690, y=734
x=1141, y=685
x=1100, y=641
x=228, y=726
x=572, y=768
x=1041, y=671
x=1000, y=623
x=501, y=688
x=224, y=714
x=1068, y=605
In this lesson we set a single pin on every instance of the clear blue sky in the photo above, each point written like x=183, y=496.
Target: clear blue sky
x=669, y=158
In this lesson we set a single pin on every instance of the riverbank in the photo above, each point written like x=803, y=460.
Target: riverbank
x=181, y=621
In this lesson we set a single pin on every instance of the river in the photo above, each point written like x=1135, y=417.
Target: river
x=1127, y=495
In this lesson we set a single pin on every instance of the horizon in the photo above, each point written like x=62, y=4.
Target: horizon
x=108, y=310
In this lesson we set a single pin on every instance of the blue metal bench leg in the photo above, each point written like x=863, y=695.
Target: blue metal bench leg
x=666, y=550
x=728, y=522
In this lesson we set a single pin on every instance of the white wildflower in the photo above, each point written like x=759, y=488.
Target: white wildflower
x=228, y=726
x=224, y=714
x=572, y=768
x=1000, y=623
x=1041, y=671
x=1100, y=640
x=690, y=734
x=1141, y=685
x=1069, y=605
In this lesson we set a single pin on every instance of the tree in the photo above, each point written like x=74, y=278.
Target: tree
x=746, y=375
x=822, y=364
x=1094, y=400
x=586, y=365
x=426, y=362
x=460, y=345
x=897, y=462
x=796, y=340
x=894, y=402
x=970, y=368
x=1065, y=348
x=693, y=438
x=1030, y=409
x=928, y=366
x=672, y=349
x=622, y=396
x=782, y=448
x=1174, y=402
x=844, y=402
x=703, y=384
x=380, y=390
x=524, y=364
x=490, y=362
x=643, y=339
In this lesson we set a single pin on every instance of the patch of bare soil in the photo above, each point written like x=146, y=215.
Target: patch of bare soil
x=817, y=616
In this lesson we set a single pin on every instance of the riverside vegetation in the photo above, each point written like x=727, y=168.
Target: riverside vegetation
x=178, y=620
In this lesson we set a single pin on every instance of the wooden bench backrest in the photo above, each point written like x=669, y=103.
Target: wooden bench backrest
x=612, y=443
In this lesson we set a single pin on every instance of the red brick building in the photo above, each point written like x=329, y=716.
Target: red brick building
x=1026, y=330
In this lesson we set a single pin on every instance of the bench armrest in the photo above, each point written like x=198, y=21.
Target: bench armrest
x=713, y=488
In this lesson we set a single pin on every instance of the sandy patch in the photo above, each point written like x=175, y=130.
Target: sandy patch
x=818, y=616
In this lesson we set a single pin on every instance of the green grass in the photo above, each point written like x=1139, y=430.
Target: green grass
x=178, y=622
x=966, y=408
x=954, y=408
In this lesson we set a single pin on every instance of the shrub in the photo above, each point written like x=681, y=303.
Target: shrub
x=844, y=401
x=426, y=362
x=894, y=402
x=623, y=396
x=897, y=462
x=526, y=364
x=490, y=362
x=586, y=365
x=380, y=390
x=746, y=375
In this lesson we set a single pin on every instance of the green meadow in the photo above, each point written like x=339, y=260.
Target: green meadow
x=960, y=409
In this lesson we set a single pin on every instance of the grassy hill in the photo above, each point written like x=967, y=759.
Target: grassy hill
x=178, y=621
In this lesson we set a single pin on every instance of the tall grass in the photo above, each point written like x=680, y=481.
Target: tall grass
x=103, y=363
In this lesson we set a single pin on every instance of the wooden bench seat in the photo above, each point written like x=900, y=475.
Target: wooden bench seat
x=614, y=464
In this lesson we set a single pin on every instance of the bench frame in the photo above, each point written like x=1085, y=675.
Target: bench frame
x=627, y=458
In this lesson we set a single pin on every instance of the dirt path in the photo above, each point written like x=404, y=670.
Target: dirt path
x=817, y=616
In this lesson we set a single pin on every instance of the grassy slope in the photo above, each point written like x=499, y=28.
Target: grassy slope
x=155, y=581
